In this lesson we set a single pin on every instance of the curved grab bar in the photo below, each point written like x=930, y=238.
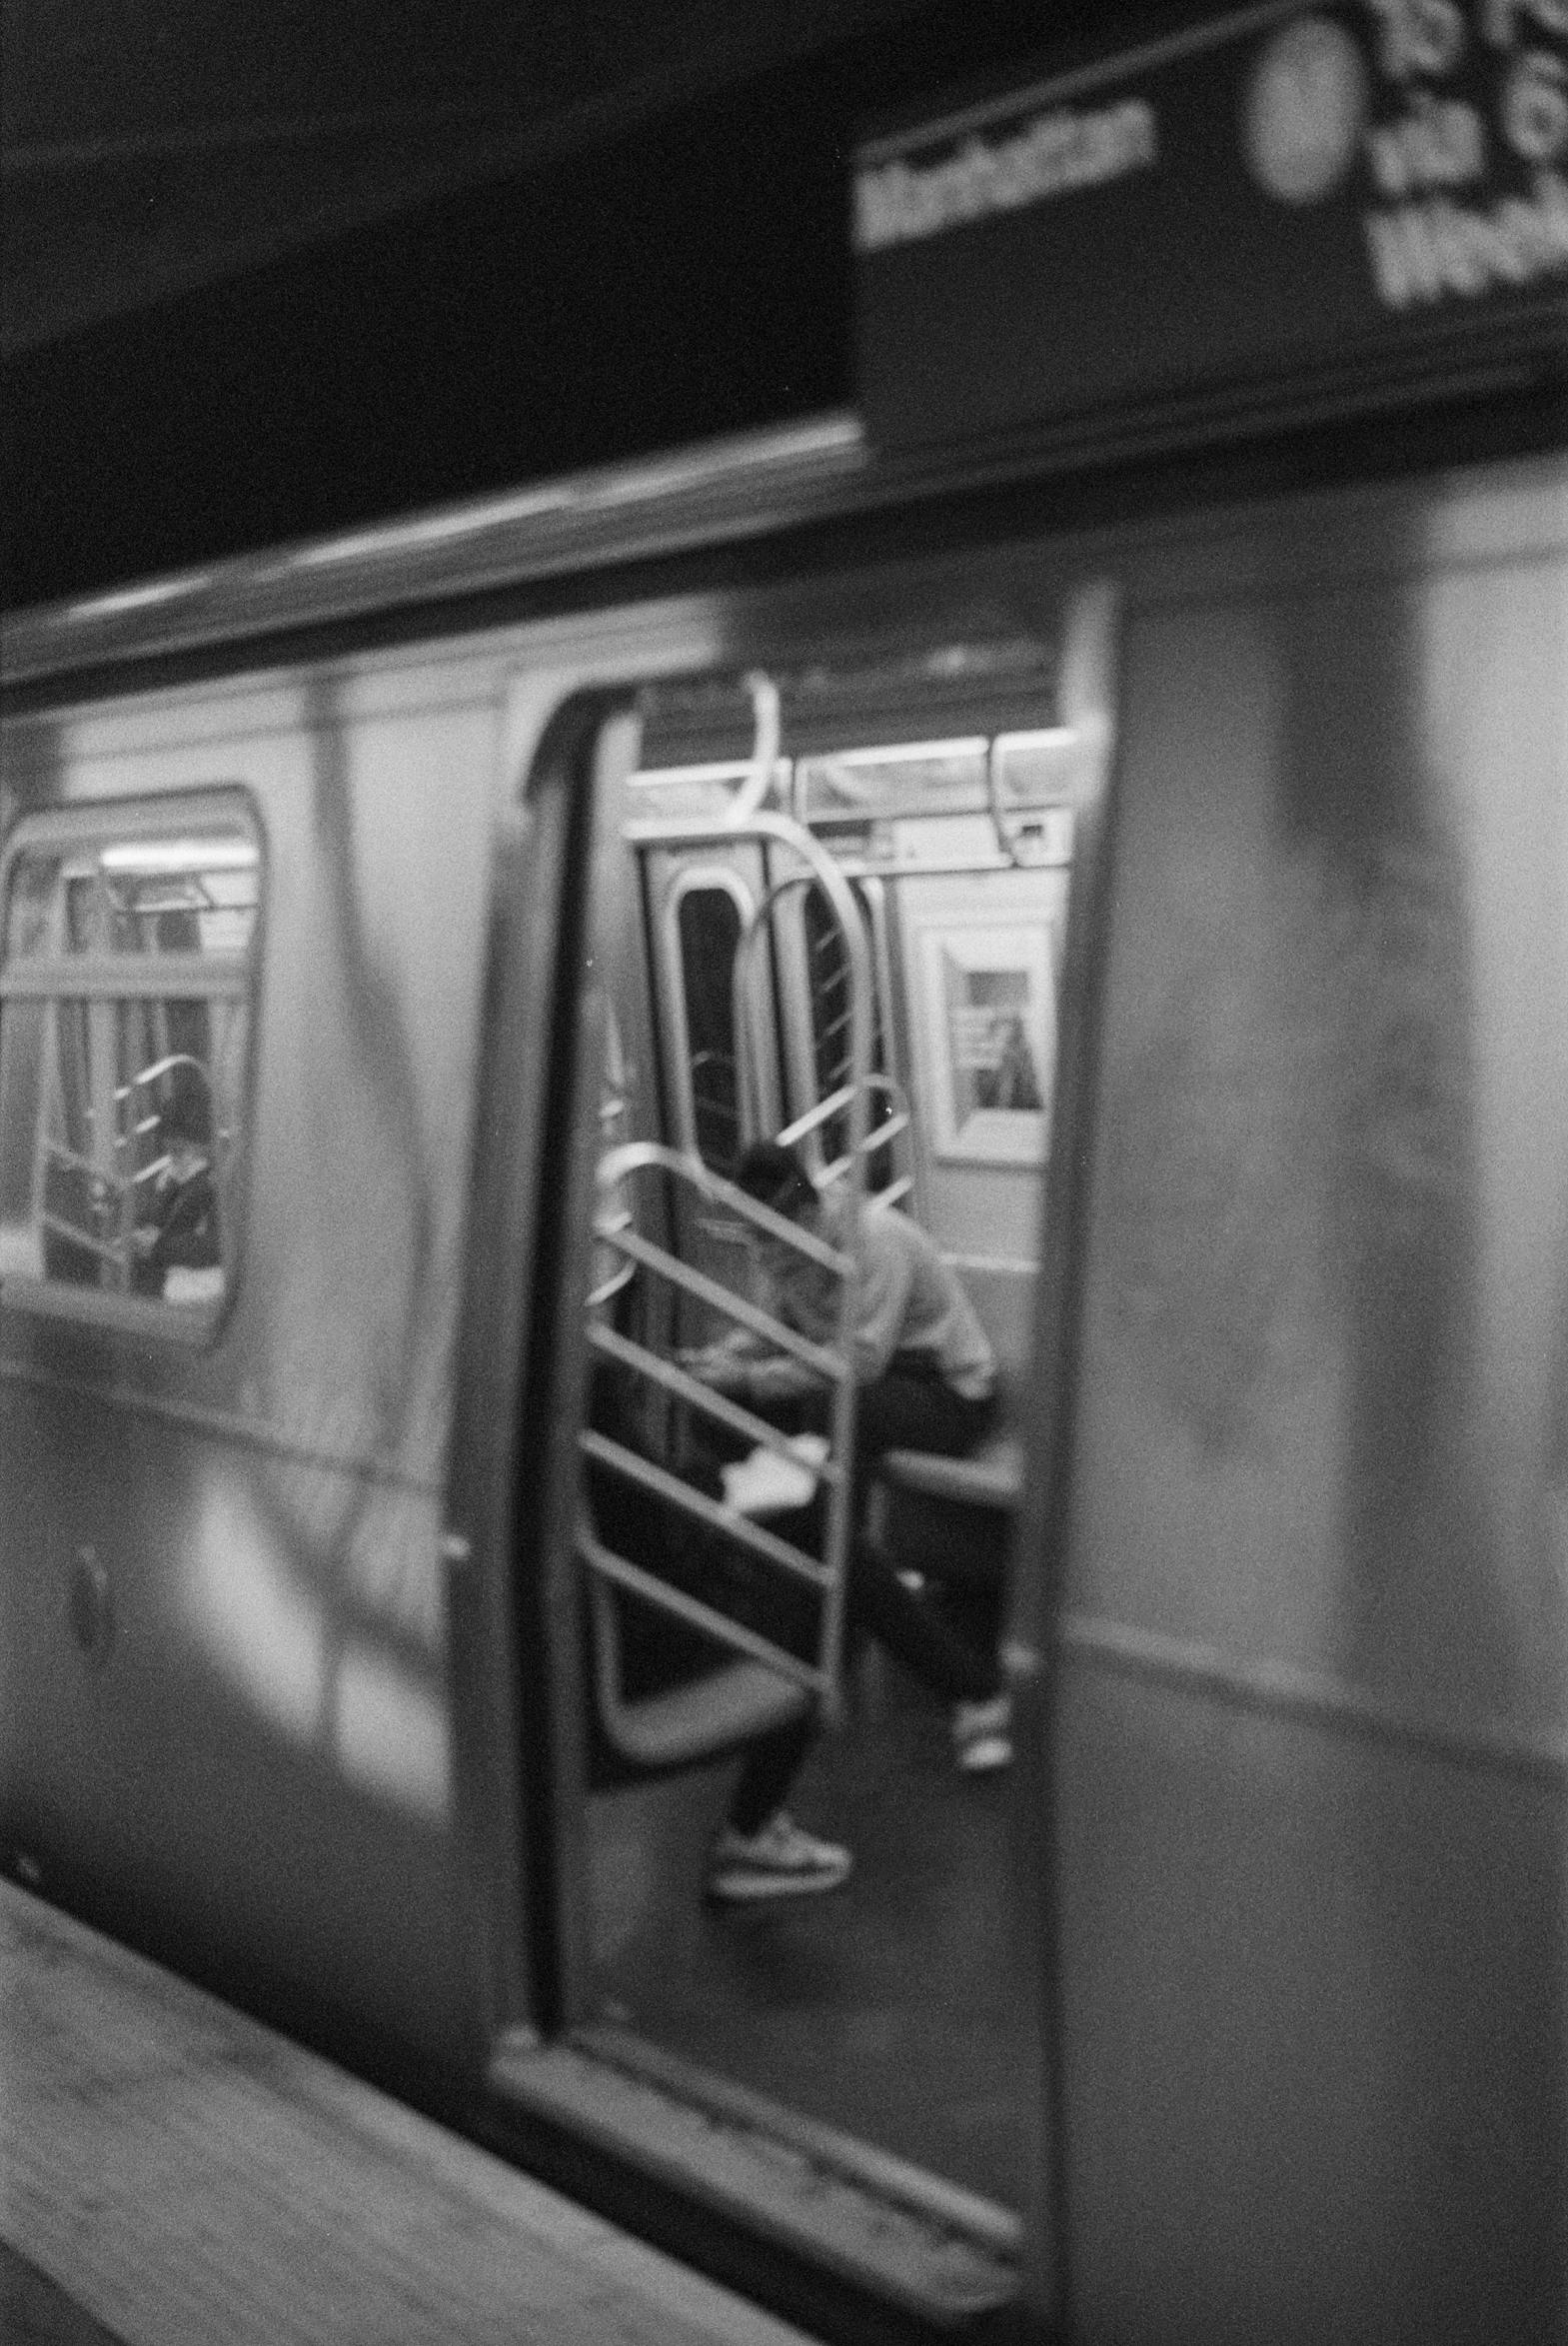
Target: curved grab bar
x=161, y=1067
x=634, y=1156
x=833, y=1365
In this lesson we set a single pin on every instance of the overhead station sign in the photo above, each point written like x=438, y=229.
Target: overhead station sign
x=1378, y=188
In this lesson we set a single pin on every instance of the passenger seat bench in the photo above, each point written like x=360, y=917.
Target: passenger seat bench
x=951, y=1519
x=992, y=1476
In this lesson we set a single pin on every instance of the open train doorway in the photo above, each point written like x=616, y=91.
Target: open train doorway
x=837, y=913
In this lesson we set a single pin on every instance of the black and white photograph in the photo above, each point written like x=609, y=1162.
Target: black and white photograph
x=783, y=1173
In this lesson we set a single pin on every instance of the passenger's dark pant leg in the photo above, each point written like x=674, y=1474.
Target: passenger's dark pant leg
x=913, y=1634
x=901, y=1412
x=904, y=1410
x=767, y=1771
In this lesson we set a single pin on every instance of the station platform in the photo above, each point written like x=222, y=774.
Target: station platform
x=174, y=2174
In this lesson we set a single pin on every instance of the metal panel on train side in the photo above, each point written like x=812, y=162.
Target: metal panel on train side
x=1319, y=1471
x=1308, y=2073
x=1311, y=1722
x=255, y=1769
x=254, y=1774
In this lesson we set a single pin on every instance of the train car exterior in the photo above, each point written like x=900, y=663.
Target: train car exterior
x=295, y=1677
x=1297, y=1781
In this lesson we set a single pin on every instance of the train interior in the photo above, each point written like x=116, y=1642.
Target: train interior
x=835, y=912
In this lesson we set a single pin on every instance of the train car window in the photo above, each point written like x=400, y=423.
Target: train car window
x=827, y=980
x=708, y=915
x=126, y=965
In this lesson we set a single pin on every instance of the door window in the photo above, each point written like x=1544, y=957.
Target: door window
x=707, y=923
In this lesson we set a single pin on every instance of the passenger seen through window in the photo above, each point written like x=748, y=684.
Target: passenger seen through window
x=178, y=1233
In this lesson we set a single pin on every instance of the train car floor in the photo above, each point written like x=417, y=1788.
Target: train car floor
x=893, y=2008
x=173, y=2174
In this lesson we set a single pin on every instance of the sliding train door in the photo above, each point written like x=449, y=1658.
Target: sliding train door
x=1308, y=1719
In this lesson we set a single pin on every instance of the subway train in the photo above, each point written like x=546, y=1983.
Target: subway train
x=1149, y=873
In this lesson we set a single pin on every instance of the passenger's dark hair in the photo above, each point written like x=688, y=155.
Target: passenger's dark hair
x=774, y=1176
x=185, y=1110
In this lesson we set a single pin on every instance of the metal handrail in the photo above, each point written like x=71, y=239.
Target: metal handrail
x=164, y=1066
x=64, y=1153
x=126, y=978
x=713, y=1291
x=834, y=1363
x=634, y=1156
x=833, y=1103
x=721, y=1626
x=62, y=1229
x=617, y=1281
x=851, y=927
x=836, y=1101
x=686, y=1388
x=651, y=1476
x=830, y=1105
x=894, y=867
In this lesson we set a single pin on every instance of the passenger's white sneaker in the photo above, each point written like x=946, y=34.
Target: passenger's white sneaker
x=779, y=1862
x=983, y=1734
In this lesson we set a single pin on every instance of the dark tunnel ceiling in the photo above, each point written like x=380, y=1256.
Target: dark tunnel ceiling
x=152, y=146
x=272, y=272
x=158, y=146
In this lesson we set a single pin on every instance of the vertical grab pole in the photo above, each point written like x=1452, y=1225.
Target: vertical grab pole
x=841, y=1514
x=748, y=1023
x=767, y=719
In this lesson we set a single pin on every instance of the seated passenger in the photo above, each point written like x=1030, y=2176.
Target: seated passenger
x=926, y=1381
x=182, y=1232
x=759, y=1852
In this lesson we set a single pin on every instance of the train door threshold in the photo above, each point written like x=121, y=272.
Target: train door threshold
x=906, y=2237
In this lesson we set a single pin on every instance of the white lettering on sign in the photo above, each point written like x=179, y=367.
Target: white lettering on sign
x=898, y=203
x=1419, y=36
x=1438, y=144
x=1425, y=247
x=1499, y=19
x=1421, y=252
x=1535, y=107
